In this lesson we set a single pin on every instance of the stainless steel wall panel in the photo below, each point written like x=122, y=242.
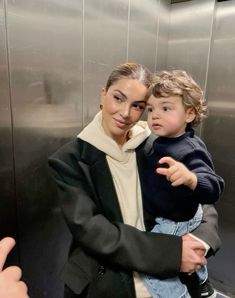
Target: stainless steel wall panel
x=55, y=56
x=143, y=24
x=190, y=36
x=8, y=221
x=221, y=79
x=45, y=59
x=219, y=135
x=60, y=54
x=42, y=59
x=105, y=45
x=163, y=34
x=201, y=40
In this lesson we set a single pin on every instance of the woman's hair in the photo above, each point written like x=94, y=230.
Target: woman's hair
x=178, y=82
x=132, y=71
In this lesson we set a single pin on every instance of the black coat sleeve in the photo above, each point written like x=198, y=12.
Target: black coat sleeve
x=208, y=229
x=115, y=243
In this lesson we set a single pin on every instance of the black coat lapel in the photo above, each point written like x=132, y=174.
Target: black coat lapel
x=96, y=170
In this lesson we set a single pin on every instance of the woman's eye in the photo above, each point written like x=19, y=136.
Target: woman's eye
x=139, y=106
x=117, y=97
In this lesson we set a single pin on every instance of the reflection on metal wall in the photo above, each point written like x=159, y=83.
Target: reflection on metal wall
x=45, y=55
x=143, y=32
x=162, y=34
x=202, y=42
x=190, y=36
x=55, y=57
x=105, y=43
x=7, y=202
x=220, y=137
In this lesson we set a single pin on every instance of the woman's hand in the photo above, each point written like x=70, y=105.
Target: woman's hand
x=177, y=173
x=10, y=284
x=193, y=254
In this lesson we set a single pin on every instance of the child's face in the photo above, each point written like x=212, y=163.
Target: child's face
x=167, y=116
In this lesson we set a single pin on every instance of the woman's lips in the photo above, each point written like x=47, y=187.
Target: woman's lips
x=120, y=123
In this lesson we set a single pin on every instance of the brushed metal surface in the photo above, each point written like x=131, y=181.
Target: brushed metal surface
x=190, y=36
x=143, y=27
x=55, y=56
x=105, y=45
x=59, y=55
x=45, y=66
x=163, y=29
x=201, y=41
x=7, y=184
x=219, y=135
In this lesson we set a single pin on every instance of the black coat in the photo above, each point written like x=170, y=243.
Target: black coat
x=105, y=251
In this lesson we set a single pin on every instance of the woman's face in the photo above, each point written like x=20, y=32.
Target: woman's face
x=123, y=105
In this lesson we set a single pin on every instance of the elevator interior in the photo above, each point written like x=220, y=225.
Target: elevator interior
x=55, y=56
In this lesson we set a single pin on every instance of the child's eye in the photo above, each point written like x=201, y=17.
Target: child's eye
x=166, y=109
x=149, y=109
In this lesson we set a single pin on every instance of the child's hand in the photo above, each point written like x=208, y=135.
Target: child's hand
x=177, y=173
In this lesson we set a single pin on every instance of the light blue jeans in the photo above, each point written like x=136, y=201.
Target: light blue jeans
x=172, y=287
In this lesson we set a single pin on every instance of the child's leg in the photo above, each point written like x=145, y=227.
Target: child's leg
x=193, y=223
x=202, y=274
x=171, y=287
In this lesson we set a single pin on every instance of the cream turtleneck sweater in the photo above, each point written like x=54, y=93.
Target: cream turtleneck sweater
x=122, y=164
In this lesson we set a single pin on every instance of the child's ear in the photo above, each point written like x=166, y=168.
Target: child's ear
x=190, y=115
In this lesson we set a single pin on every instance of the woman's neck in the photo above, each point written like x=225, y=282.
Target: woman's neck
x=120, y=140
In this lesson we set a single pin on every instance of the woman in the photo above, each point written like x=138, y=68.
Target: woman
x=98, y=184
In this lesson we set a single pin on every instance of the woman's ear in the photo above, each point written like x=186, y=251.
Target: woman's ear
x=190, y=115
x=102, y=95
x=103, y=91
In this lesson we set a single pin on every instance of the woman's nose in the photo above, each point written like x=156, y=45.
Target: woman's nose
x=125, y=111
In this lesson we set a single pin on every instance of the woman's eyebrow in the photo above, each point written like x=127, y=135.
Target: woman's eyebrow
x=123, y=94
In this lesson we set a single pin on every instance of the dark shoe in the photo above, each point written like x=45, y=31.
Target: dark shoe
x=207, y=291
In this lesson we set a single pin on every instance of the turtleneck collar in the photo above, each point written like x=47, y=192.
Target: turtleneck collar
x=94, y=134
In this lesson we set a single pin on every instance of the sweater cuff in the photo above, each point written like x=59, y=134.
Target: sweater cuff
x=202, y=184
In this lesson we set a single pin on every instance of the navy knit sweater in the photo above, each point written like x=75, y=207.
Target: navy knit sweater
x=180, y=203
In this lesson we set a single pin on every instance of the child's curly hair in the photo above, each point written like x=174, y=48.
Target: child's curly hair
x=178, y=82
